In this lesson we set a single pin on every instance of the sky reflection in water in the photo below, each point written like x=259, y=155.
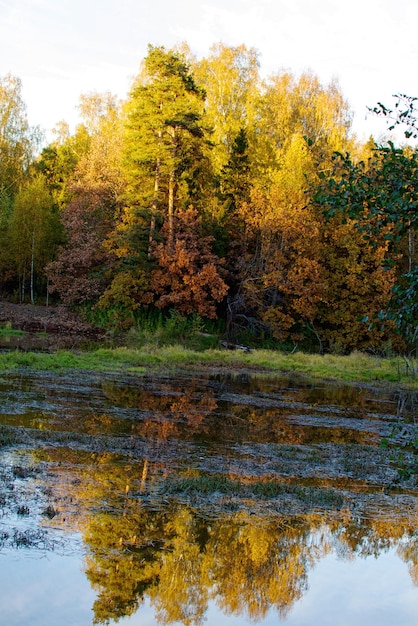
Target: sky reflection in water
x=53, y=591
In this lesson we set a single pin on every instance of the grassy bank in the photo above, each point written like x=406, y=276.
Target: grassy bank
x=355, y=367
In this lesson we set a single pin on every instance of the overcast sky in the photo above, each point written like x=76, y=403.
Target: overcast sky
x=62, y=48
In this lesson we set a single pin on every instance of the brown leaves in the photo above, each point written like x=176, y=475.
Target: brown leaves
x=78, y=272
x=188, y=277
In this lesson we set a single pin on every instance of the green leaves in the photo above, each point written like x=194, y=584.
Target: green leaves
x=382, y=198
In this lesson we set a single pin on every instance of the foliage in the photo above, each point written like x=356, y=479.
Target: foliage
x=381, y=197
x=230, y=78
x=163, y=147
x=79, y=272
x=89, y=202
x=17, y=139
x=163, y=124
x=58, y=162
x=35, y=232
x=189, y=275
x=403, y=113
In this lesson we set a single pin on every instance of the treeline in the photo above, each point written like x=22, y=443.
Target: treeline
x=214, y=193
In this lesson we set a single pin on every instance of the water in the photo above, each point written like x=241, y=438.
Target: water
x=225, y=499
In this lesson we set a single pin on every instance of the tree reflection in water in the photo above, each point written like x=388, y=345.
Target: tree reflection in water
x=246, y=564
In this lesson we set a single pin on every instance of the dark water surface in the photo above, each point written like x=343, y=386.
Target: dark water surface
x=224, y=499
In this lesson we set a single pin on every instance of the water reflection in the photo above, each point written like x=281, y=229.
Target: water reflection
x=249, y=566
x=191, y=493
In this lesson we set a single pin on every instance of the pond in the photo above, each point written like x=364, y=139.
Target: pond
x=225, y=499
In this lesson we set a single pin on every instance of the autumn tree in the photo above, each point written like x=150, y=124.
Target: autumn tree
x=282, y=281
x=18, y=142
x=189, y=275
x=356, y=285
x=100, y=165
x=164, y=156
x=17, y=139
x=300, y=109
x=380, y=197
x=34, y=231
x=230, y=77
x=80, y=274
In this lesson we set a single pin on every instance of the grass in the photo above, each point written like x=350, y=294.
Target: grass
x=9, y=436
x=221, y=485
x=6, y=330
x=357, y=367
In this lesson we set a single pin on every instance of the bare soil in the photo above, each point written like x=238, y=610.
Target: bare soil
x=45, y=319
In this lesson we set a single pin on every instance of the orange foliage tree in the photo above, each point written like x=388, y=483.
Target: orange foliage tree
x=189, y=276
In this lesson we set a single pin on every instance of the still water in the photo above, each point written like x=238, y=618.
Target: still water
x=218, y=499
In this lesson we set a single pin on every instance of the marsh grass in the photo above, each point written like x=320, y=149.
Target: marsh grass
x=8, y=436
x=355, y=367
x=223, y=486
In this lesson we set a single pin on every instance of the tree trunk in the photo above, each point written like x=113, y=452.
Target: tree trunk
x=154, y=205
x=32, y=264
x=411, y=248
x=171, y=184
x=144, y=476
x=171, y=190
x=22, y=288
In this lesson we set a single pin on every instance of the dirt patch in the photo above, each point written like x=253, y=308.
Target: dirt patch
x=46, y=319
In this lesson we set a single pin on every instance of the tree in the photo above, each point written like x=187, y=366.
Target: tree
x=17, y=144
x=281, y=279
x=355, y=285
x=34, y=232
x=99, y=166
x=300, y=107
x=189, y=275
x=59, y=160
x=17, y=139
x=163, y=121
x=164, y=155
x=230, y=77
x=235, y=174
x=79, y=274
x=381, y=197
x=92, y=185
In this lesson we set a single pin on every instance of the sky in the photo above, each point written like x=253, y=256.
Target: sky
x=61, y=49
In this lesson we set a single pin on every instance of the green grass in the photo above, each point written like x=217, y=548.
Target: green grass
x=6, y=330
x=355, y=367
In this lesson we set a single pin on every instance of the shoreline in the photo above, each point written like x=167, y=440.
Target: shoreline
x=357, y=368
